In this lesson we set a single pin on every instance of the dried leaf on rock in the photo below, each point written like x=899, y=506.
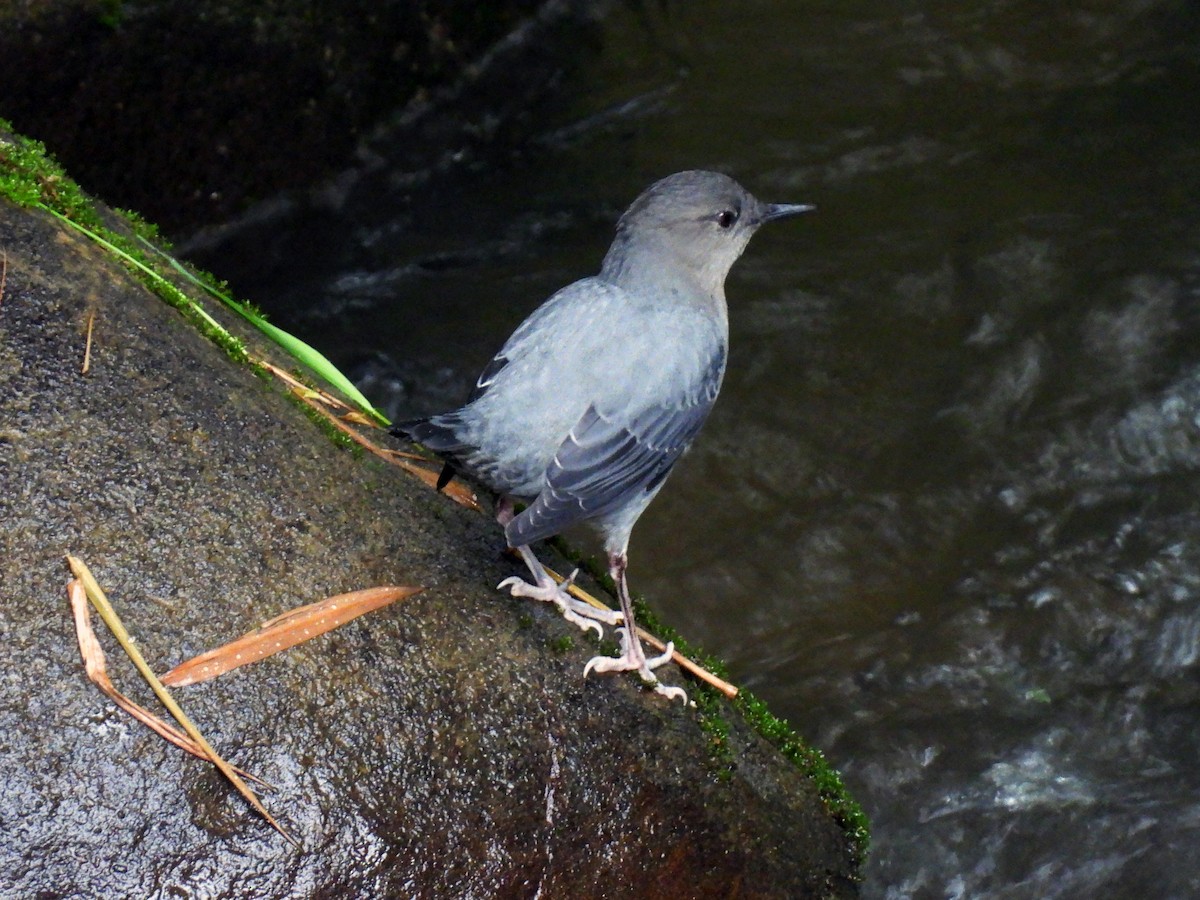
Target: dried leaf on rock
x=96, y=665
x=293, y=627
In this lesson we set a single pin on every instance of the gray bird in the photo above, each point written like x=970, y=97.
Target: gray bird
x=588, y=406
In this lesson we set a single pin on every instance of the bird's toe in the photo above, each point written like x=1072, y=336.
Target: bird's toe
x=519, y=587
x=655, y=661
x=574, y=611
x=671, y=692
x=582, y=622
x=609, y=664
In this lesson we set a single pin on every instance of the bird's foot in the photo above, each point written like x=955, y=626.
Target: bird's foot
x=578, y=613
x=633, y=659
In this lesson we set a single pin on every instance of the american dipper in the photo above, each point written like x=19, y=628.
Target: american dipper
x=587, y=407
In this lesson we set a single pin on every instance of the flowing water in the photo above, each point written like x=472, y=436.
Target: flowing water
x=945, y=518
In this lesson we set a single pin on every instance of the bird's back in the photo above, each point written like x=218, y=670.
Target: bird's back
x=633, y=359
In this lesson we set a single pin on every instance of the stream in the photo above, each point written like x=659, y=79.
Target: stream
x=945, y=518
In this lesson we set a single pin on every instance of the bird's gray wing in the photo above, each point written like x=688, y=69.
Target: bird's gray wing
x=552, y=317
x=608, y=460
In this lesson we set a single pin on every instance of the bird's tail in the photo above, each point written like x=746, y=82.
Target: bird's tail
x=436, y=433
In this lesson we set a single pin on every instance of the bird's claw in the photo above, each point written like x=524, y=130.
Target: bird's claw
x=574, y=611
x=522, y=588
x=629, y=661
x=655, y=661
x=671, y=692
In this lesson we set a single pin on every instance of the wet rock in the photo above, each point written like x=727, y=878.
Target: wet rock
x=445, y=746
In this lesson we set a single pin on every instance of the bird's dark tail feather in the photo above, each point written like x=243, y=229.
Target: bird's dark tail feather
x=437, y=434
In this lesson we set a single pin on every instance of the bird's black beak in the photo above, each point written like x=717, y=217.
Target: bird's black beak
x=771, y=211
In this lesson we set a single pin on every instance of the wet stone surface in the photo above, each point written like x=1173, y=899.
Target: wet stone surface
x=439, y=747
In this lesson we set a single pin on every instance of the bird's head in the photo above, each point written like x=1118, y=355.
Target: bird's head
x=698, y=220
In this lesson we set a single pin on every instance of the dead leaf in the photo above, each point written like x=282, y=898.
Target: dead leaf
x=357, y=418
x=293, y=627
x=303, y=390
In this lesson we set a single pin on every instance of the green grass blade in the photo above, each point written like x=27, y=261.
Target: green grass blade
x=141, y=266
x=297, y=348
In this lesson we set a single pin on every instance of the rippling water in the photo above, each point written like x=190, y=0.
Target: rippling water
x=945, y=516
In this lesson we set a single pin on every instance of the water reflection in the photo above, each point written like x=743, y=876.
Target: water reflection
x=944, y=518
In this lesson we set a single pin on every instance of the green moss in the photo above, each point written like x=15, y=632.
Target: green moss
x=262, y=371
x=562, y=645
x=17, y=189
x=147, y=231
x=335, y=434
x=812, y=763
x=30, y=177
x=715, y=727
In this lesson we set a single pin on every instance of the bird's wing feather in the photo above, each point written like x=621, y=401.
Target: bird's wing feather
x=608, y=460
x=488, y=376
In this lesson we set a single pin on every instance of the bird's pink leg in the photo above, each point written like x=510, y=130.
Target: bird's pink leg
x=632, y=658
x=546, y=589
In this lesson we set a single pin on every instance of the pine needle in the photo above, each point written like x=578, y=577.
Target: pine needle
x=87, y=349
x=108, y=614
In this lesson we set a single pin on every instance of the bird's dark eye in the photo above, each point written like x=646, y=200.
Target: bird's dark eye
x=726, y=218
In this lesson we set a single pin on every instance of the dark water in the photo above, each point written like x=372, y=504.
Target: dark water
x=946, y=516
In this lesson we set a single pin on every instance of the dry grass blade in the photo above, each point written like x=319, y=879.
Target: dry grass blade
x=87, y=349
x=303, y=390
x=3, y=272
x=401, y=454
x=357, y=418
x=294, y=627
x=318, y=400
x=104, y=608
x=678, y=658
x=455, y=490
x=95, y=664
